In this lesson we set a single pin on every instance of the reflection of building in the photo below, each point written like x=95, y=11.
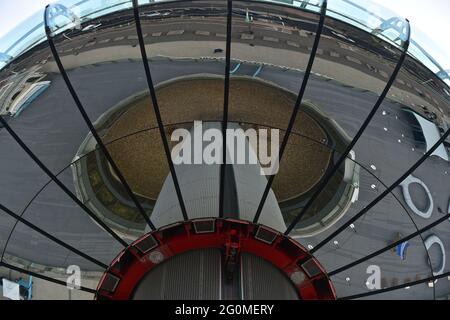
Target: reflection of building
x=350, y=130
x=20, y=90
x=428, y=134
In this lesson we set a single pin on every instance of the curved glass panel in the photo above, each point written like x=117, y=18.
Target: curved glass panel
x=25, y=251
x=372, y=17
x=103, y=57
x=416, y=292
x=55, y=213
x=34, y=288
x=367, y=16
x=388, y=270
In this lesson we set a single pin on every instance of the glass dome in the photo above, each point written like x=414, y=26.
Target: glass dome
x=95, y=95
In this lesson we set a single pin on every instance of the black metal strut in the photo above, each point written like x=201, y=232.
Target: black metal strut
x=41, y=276
x=53, y=238
x=361, y=130
x=401, y=286
x=89, y=123
x=225, y=109
x=296, y=109
x=66, y=190
x=161, y=128
x=391, y=246
x=383, y=194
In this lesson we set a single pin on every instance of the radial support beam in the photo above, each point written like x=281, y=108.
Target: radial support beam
x=66, y=190
x=225, y=109
x=89, y=123
x=296, y=107
x=361, y=130
x=40, y=276
x=383, y=194
x=161, y=128
x=52, y=238
x=401, y=286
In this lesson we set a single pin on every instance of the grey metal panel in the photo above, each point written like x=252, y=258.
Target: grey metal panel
x=262, y=281
x=193, y=275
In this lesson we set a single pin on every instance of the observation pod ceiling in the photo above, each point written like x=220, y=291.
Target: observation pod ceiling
x=94, y=95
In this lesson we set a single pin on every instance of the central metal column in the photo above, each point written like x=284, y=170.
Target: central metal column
x=243, y=188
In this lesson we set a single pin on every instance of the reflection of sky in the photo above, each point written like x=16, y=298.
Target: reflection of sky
x=366, y=12
x=430, y=22
x=363, y=13
x=14, y=12
x=11, y=37
x=370, y=13
x=31, y=30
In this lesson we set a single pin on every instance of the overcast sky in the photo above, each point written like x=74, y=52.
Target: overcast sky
x=432, y=17
x=12, y=12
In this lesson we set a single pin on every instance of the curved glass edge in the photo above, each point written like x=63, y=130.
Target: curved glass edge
x=364, y=15
x=137, y=228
